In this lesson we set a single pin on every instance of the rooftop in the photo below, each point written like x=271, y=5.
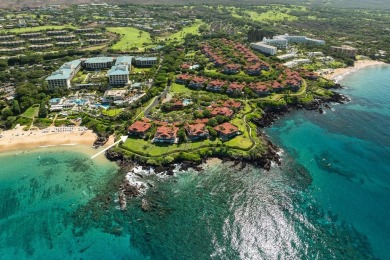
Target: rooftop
x=99, y=59
x=119, y=70
x=124, y=60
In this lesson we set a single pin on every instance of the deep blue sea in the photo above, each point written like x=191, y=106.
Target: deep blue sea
x=330, y=199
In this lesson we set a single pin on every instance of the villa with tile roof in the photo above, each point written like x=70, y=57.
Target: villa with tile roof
x=227, y=131
x=235, y=88
x=215, y=85
x=166, y=134
x=139, y=128
x=196, y=131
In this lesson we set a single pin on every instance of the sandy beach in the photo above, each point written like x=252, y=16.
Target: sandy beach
x=17, y=139
x=337, y=74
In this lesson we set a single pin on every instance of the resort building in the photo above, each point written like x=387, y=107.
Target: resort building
x=235, y=88
x=215, y=85
x=139, y=128
x=227, y=131
x=347, y=50
x=30, y=35
x=84, y=30
x=145, y=61
x=253, y=70
x=40, y=40
x=7, y=37
x=196, y=131
x=63, y=76
x=183, y=79
x=197, y=83
x=61, y=32
x=64, y=44
x=97, y=41
x=231, y=69
x=40, y=47
x=99, y=63
x=92, y=35
x=119, y=74
x=299, y=39
x=115, y=95
x=13, y=50
x=12, y=43
x=222, y=111
x=260, y=89
x=277, y=41
x=166, y=134
x=65, y=38
x=264, y=48
x=232, y=104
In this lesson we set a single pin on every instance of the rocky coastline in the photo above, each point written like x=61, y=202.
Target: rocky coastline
x=130, y=189
x=271, y=114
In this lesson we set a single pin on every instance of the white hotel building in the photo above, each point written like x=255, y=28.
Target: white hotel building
x=62, y=77
x=265, y=48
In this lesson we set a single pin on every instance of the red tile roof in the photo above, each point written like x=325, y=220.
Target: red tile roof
x=139, y=127
x=232, y=103
x=196, y=129
x=235, y=86
x=222, y=111
x=166, y=132
x=226, y=128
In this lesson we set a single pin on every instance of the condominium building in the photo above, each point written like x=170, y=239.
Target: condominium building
x=265, y=48
x=65, y=38
x=63, y=44
x=40, y=46
x=145, y=61
x=61, y=78
x=96, y=41
x=40, y=40
x=61, y=32
x=347, y=50
x=84, y=30
x=99, y=63
x=7, y=37
x=119, y=74
x=277, y=41
x=30, y=35
x=12, y=43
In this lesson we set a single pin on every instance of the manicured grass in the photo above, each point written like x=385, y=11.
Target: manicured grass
x=39, y=28
x=112, y=112
x=149, y=149
x=31, y=111
x=139, y=70
x=270, y=16
x=178, y=88
x=131, y=37
x=179, y=36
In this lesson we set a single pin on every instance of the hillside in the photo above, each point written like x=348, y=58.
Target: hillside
x=375, y=4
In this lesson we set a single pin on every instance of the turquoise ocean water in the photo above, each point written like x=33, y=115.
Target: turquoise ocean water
x=328, y=200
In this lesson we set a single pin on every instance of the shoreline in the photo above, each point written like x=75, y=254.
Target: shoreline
x=18, y=141
x=337, y=75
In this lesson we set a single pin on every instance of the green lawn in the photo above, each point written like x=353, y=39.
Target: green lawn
x=31, y=111
x=179, y=36
x=39, y=28
x=146, y=147
x=178, y=88
x=270, y=16
x=112, y=112
x=139, y=70
x=131, y=37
